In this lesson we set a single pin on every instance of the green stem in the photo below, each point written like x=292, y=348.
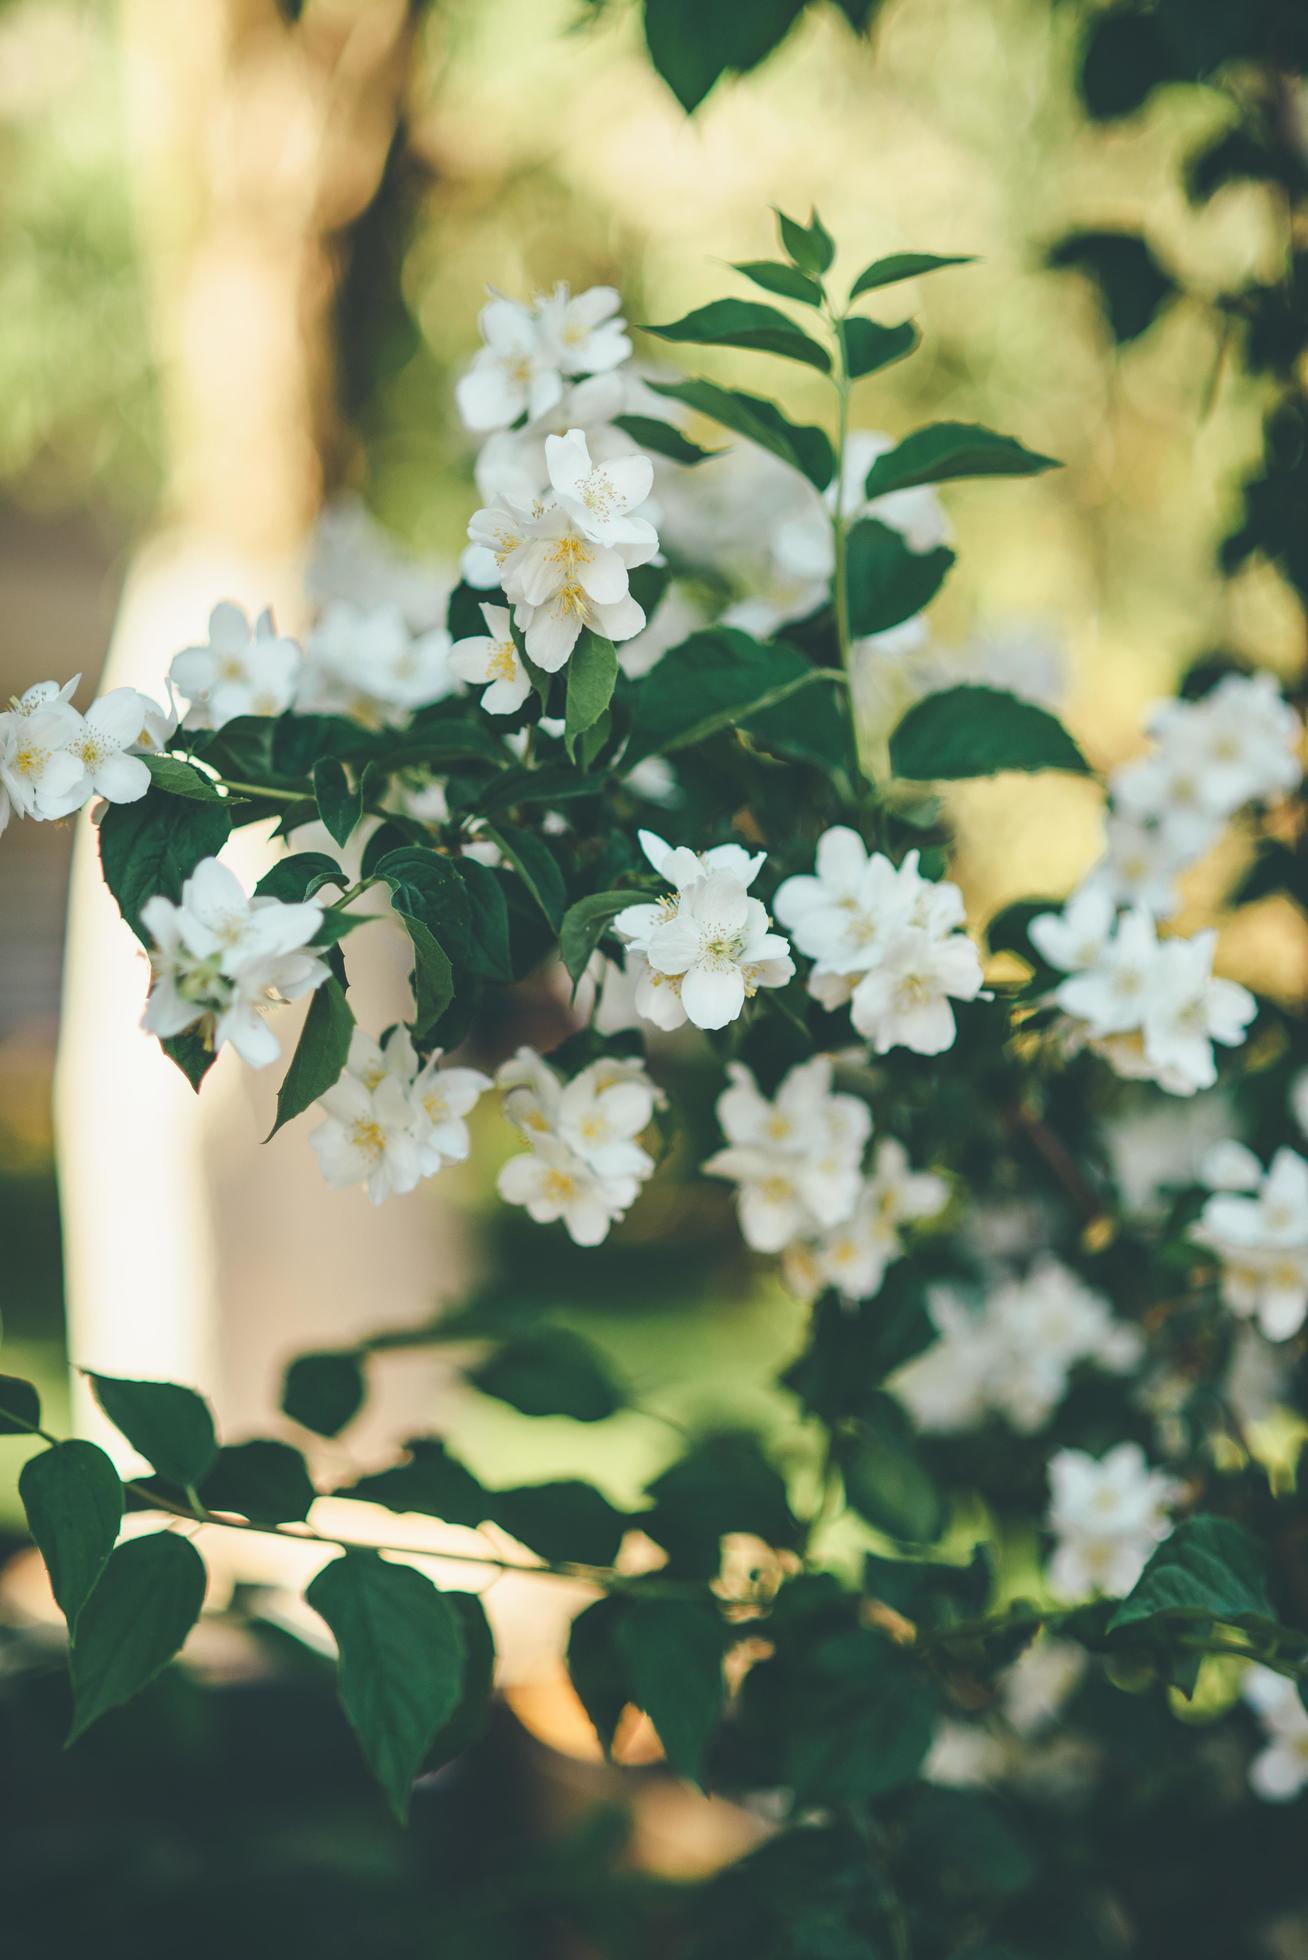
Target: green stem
x=265, y=795
x=843, y=385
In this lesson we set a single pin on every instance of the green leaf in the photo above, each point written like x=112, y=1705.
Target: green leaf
x=320, y=1054
x=487, y=951
x=74, y=1504
x=339, y=805
x=146, y=1602
x=534, y=863
x=584, y=925
x=787, y=281
x=979, y=731
x=566, y=1522
x=946, y=450
x=592, y=676
x=192, y=1054
x=431, y=1482
x=598, y=1668
x=181, y=779
x=745, y=323
x=266, y=1482
x=694, y=42
x=299, y=876
x=723, y=1484
x=1210, y=1568
x=432, y=979
x=466, y=1724
x=674, y=1651
x=869, y=346
x=1133, y=287
x=715, y=680
x=550, y=1373
x=811, y=246
x=323, y=1392
x=401, y=1662
x=662, y=439
x=20, y=1407
x=885, y=1478
x=152, y=846
x=804, y=447
x=900, y=265
x=888, y=583
x=171, y=1426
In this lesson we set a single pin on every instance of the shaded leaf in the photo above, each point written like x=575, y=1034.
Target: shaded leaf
x=944, y=451
x=534, y=863
x=74, y=1504
x=888, y=583
x=146, y=1602
x=266, y=1482
x=20, y=1407
x=745, y=323
x=715, y=680
x=787, y=281
x=323, y=1391
x=979, y=731
x=153, y=845
x=1209, y=1568
x=673, y=1649
x=584, y=925
x=900, y=265
x=566, y=1522
x=340, y=805
x=694, y=42
x=804, y=447
x=182, y=779
x=662, y=439
x=320, y=1054
x=550, y=1373
x=811, y=246
x=869, y=346
x=171, y=1426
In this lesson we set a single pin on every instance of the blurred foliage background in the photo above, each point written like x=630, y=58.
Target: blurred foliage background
x=525, y=141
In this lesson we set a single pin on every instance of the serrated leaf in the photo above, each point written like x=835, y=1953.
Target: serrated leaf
x=662, y=439
x=1210, y=1568
x=804, y=447
x=74, y=1504
x=152, y=846
x=887, y=582
x=401, y=1662
x=550, y=1373
x=181, y=779
x=900, y=265
x=674, y=1651
x=745, y=323
x=340, y=803
x=584, y=925
x=592, y=676
x=145, y=1603
x=20, y=1407
x=266, y=1482
x=787, y=281
x=323, y=1392
x=320, y=1054
x=869, y=346
x=944, y=451
x=171, y=1426
x=979, y=731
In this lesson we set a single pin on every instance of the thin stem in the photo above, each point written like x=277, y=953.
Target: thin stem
x=266, y=795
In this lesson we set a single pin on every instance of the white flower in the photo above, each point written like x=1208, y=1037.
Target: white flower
x=493, y=662
x=219, y=958
x=946, y=1388
x=904, y=1001
x=1141, y=863
x=353, y=557
x=368, y=1137
x=1108, y=1515
x=1236, y=745
x=1111, y=996
x=511, y=462
x=585, y=1165
x=99, y=742
x=1261, y=1240
x=718, y=946
x=583, y=333
x=368, y=665
x=600, y=498
x=37, y=772
x=516, y=372
x=1075, y=938
x=495, y=534
x=1280, y=1770
x=1035, y=1688
x=601, y=1112
x=854, y=1254
x=794, y=1160
x=440, y=1101
x=553, y=1182
x=238, y=671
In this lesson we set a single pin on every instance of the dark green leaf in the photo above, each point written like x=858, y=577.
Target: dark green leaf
x=401, y=1662
x=693, y=42
x=851, y=1351
x=869, y=346
x=787, y=281
x=465, y=1725
x=339, y=805
x=320, y=1054
x=566, y=1522
x=550, y=1373
x=674, y=1651
x=487, y=951
x=592, y=675
x=811, y=246
x=598, y=1668
x=431, y=1482
x=181, y=779
x=323, y=1392
x=298, y=876
x=745, y=323
x=1133, y=288
x=432, y=979
x=899, y=265
x=74, y=1504
x=146, y=1602
x=584, y=925
x=152, y=846
x=889, y=583
x=798, y=443
x=946, y=450
x=1209, y=1568
x=20, y=1407
x=171, y=1426
x=714, y=680
x=263, y=1481
x=534, y=863
x=885, y=1478
x=662, y=439
x=724, y=1484
x=979, y=731
x=192, y=1054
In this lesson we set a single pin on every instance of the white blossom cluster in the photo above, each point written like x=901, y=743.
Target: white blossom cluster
x=531, y=353
x=1280, y=1770
x=1014, y=1357
x=391, y=1119
x=1256, y=1221
x=884, y=939
x=1150, y=1007
x=584, y=1164
x=219, y=959
x=1107, y=1514
x=706, y=947
x=797, y=1162
x=1236, y=745
x=53, y=759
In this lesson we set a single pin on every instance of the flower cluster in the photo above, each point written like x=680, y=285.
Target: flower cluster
x=1152, y=1008
x=706, y=947
x=392, y=1120
x=219, y=958
x=584, y=1164
x=1257, y=1224
x=1014, y=1358
x=884, y=939
x=1107, y=1514
x=53, y=759
x=530, y=352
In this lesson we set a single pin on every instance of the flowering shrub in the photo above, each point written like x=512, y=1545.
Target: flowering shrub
x=1022, y=1402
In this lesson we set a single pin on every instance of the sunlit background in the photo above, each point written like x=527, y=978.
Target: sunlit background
x=193, y=359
